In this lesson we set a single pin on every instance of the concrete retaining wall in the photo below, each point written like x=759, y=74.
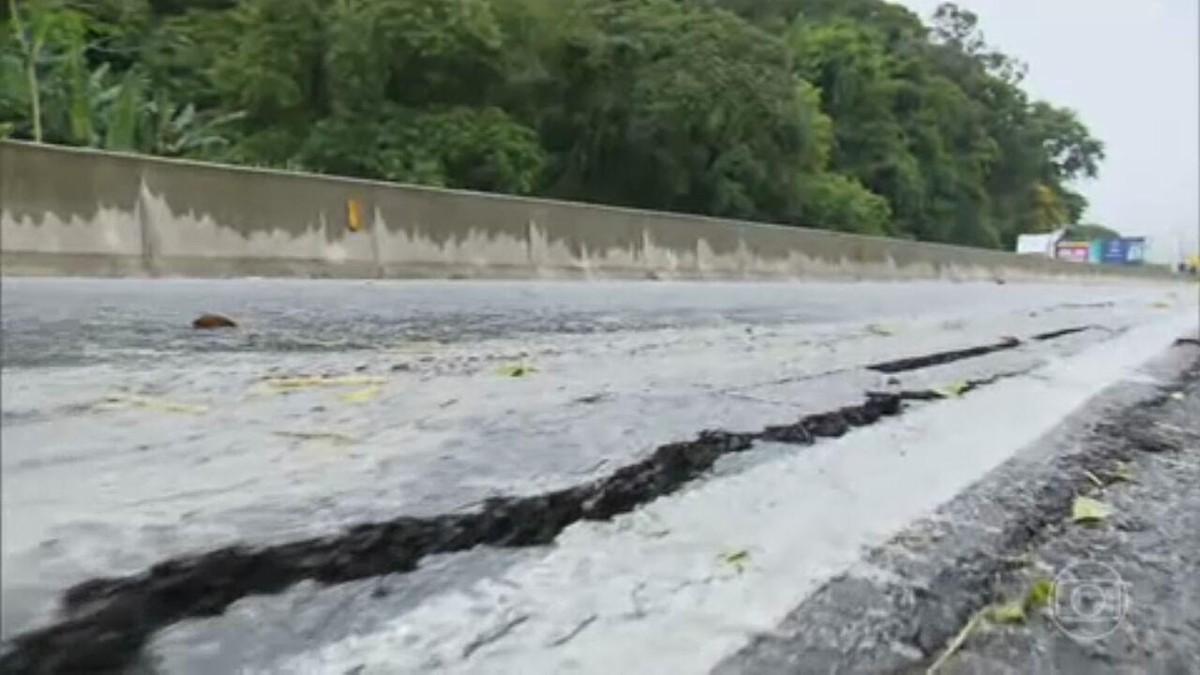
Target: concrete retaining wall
x=67, y=211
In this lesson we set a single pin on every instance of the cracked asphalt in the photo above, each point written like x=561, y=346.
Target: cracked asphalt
x=1145, y=560
x=1127, y=596
x=129, y=438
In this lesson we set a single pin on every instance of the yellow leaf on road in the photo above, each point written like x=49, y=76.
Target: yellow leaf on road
x=148, y=403
x=362, y=395
x=309, y=381
x=1088, y=510
x=953, y=390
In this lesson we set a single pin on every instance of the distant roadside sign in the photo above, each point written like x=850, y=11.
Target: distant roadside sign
x=1135, y=250
x=1072, y=251
x=1037, y=244
x=1123, y=251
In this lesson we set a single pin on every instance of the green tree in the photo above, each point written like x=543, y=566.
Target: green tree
x=45, y=41
x=1088, y=232
x=851, y=115
x=684, y=109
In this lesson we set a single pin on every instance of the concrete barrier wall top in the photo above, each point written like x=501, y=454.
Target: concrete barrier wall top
x=71, y=211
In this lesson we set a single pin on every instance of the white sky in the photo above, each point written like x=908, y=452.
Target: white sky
x=1131, y=69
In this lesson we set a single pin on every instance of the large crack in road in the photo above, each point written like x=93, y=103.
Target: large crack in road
x=108, y=620
x=950, y=356
x=105, y=622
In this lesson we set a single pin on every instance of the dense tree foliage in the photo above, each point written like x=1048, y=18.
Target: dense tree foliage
x=844, y=114
x=1088, y=232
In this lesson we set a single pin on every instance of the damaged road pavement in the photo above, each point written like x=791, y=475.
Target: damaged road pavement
x=1014, y=577
x=539, y=478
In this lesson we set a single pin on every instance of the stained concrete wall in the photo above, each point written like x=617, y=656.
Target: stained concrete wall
x=78, y=212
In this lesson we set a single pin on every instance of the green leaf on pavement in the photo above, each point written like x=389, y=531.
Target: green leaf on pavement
x=1017, y=611
x=1088, y=510
x=1009, y=612
x=1039, y=594
x=737, y=559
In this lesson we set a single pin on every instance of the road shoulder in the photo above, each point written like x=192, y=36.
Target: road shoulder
x=937, y=586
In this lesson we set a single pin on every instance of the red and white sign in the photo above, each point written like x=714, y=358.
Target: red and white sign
x=1072, y=251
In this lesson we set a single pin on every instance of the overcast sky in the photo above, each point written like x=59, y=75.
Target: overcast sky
x=1131, y=69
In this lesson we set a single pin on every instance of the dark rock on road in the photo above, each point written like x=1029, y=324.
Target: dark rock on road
x=212, y=321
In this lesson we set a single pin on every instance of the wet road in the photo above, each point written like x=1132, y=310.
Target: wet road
x=70, y=322
x=129, y=437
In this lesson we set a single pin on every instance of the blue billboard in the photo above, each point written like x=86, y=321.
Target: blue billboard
x=1123, y=251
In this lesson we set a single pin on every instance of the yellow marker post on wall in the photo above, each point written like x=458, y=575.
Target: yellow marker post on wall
x=354, y=218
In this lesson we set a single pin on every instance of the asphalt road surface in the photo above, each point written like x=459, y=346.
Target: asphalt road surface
x=130, y=438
